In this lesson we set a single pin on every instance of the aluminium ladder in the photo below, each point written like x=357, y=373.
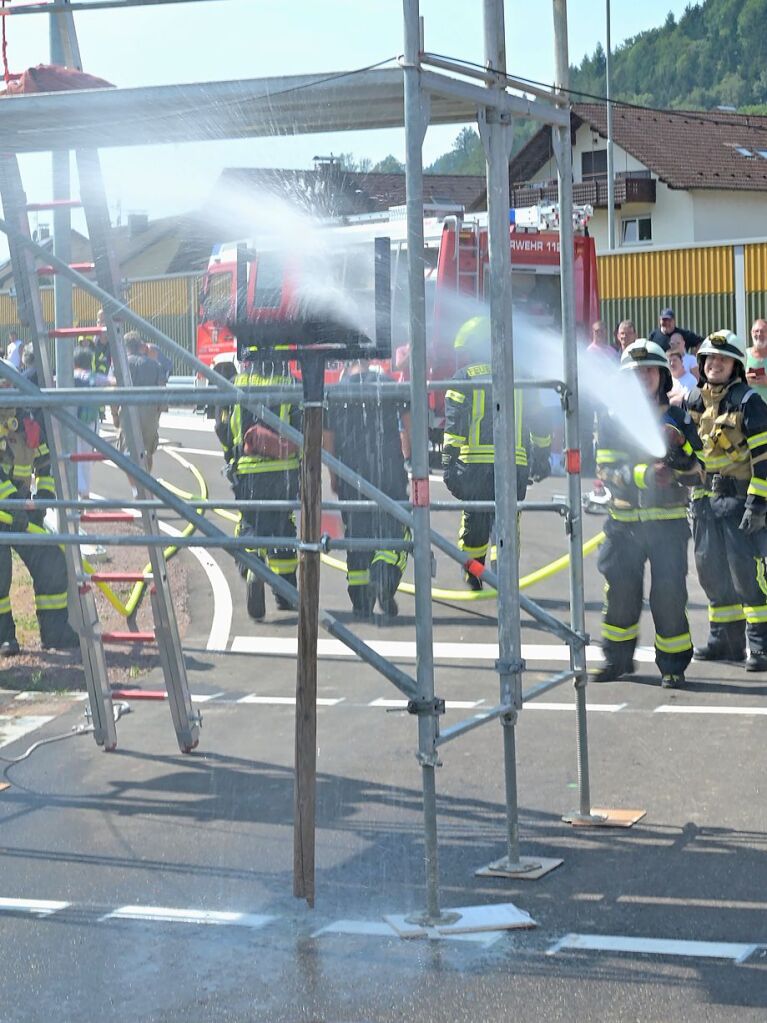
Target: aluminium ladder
x=93, y=199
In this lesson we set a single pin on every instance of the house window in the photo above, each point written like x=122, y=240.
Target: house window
x=635, y=230
x=594, y=165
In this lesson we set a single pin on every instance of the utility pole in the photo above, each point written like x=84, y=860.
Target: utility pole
x=610, y=166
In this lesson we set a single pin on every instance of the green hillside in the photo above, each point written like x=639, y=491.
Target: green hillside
x=713, y=56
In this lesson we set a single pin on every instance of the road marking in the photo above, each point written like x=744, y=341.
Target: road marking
x=37, y=907
x=669, y=708
x=669, y=900
x=654, y=946
x=607, y=708
x=205, y=698
x=289, y=701
x=165, y=914
x=406, y=650
x=14, y=728
x=402, y=704
x=166, y=445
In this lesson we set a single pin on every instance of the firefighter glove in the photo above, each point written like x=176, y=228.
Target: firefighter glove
x=229, y=472
x=449, y=455
x=753, y=520
x=540, y=464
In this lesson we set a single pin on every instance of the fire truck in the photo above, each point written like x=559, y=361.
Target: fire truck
x=456, y=279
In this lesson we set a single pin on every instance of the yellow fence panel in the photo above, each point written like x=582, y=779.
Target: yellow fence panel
x=669, y=272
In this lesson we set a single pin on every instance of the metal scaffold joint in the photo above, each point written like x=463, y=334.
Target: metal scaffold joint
x=426, y=706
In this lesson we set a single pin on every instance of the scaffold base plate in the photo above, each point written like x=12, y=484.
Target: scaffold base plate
x=533, y=867
x=602, y=818
x=504, y=916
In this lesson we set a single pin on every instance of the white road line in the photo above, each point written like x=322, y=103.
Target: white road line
x=165, y=914
x=206, y=698
x=221, y=624
x=653, y=946
x=405, y=650
x=289, y=701
x=673, y=708
x=169, y=446
x=607, y=708
x=13, y=728
x=37, y=907
x=449, y=704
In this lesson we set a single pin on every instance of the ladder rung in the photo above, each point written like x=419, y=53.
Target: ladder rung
x=48, y=271
x=86, y=456
x=128, y=637
x=139, y=694
x=120, y=577
x=107, y=516
x=76, y=331
x=53, y=204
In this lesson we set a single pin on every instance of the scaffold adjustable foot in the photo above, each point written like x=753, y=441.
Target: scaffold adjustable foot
x=424, y=919
x=526, y=868
x=604, y=818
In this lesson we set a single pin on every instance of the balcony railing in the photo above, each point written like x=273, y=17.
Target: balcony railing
x=594, y=192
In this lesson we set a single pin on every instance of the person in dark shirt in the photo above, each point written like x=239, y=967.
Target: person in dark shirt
x=667, y=326
x=364, y=433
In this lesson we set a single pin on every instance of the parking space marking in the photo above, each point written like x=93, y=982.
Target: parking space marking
x=289, y=701
x=675, y=708
x=36, y=907
x=654, y=946
x=607, y=708
x=287, y=646
x=402, y=704
x=168, y=915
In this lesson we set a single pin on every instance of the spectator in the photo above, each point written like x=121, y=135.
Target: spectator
x=14, y=350
x=756, y=359
x=684, y=381
x=102, y=356
x=166, y=365
x=690, y=363
x=599, y=342
x=145, y=372
x=626, y=334
x=667, y=326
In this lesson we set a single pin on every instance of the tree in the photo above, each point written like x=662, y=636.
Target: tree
x=389, y=165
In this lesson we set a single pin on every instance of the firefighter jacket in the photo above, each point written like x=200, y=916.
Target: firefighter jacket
x=732, y=423
x=102, y=357
x=469, y=421
x=642, y=490
x=232, y=424
x=24, y=455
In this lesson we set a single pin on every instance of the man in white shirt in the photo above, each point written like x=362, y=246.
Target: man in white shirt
x=684, y=381
x=14, y=349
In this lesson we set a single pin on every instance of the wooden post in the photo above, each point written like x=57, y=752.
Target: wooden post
x=313, y=370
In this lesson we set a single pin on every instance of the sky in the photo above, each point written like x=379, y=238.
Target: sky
x=231, y=39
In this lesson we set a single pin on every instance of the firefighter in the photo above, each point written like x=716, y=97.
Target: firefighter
x=364, y=433
x=468, y=454
x=24, y=454
x=261, y=465
x=729, y=509
x=647, y=522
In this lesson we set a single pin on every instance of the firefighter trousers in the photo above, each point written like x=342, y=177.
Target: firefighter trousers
x=473, y=483
x=48, y=569
x=270, y=486
x=622, y=557
x=731, y=570
x=373, y=574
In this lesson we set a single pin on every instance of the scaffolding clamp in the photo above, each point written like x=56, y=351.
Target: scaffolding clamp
x=434, y=705
x=515, y=667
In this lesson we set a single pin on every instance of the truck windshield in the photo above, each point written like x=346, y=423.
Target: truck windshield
x=217, y=297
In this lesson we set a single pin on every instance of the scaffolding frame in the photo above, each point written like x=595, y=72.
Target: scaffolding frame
x=425, y=91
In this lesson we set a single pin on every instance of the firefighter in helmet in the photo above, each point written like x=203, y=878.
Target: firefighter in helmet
x=730, y=507
x=647, y=522
x=468, y=454
x=364, y=433
x=24, y=456
x=262, y=465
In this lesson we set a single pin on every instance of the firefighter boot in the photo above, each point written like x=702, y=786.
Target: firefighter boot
x=55, y=631
x=10, y=648
x=756, y=661
x=714, y=650
x=283, y=604
x=474, y=582
x=611, y=671
x=673, y=681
